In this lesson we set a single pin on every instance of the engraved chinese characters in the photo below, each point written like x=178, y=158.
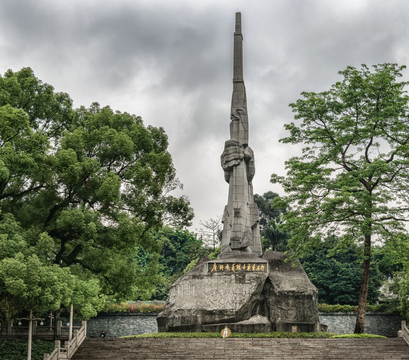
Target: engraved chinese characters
x=237, y=267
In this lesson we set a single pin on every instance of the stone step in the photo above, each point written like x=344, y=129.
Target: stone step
x=240, y=349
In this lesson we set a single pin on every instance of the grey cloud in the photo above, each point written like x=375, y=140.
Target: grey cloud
x=171, y=62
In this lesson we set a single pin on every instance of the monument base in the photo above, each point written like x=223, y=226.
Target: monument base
x=246, y=294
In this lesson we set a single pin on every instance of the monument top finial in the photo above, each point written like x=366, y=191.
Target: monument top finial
x=238, y=51
x=238, y=23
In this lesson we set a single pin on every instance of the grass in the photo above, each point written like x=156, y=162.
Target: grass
x=274, y=334
x=357, y=336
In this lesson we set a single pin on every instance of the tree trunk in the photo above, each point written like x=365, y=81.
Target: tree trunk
x=363, y=292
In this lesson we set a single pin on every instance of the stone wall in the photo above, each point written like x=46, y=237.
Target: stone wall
x=343, y=323
x=122, y=324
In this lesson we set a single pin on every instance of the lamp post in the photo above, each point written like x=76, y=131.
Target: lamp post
x=71, y=321
x=30, y=331
x=51, y=316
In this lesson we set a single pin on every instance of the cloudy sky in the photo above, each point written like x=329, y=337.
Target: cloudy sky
x=170, y=61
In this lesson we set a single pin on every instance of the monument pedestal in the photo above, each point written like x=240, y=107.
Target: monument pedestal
x=248, y=295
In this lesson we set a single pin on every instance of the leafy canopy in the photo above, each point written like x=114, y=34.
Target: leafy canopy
x=270, y=217
x=86, y=187
x=179, y=249
x=352, y=179
x=337, y=277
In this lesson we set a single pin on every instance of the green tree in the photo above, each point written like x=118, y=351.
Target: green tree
x=179, y=248
x=337, y=276
x=272, y=237
x=394, y=261
x=93, y=182
x=352, y=179
x=404, y=294
x=37, y=286
x=30, y=281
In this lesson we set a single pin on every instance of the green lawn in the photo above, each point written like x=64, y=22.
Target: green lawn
x=274, y=334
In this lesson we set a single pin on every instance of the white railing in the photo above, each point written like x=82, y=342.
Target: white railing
x=55, y=353
x=404, y=332
x=66, y=352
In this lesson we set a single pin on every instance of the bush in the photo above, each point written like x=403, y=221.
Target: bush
x=157, y=306
x=138, y=307
x=346, y=308
x=17, y=349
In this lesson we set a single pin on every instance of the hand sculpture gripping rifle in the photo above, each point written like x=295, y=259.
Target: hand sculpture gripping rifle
x=241, y=213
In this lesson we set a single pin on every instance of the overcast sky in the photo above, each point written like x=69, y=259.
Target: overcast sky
x=170, y=61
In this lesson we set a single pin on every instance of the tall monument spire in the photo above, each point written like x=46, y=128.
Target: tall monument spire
x=241, y=289
x=239, y=129
x=241, y=234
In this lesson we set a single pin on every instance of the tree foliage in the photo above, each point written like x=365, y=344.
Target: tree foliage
x=86, y=187
x=179, y=248
x=404, y=294
x=337, y=277
x=272, y=237
x=352, y=179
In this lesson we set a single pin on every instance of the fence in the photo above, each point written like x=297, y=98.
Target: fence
x=44, y=332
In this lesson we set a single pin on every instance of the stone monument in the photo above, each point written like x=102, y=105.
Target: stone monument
x=241, y=235
x=243, y=289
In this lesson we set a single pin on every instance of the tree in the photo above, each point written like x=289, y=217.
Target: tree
x=211, y=232
x=404, y=294
x=37, y=286
x=271, y=236
x=394, y=261
x=337, y=276
x=352, y=179
x=31, y=282
x=94, y=182
x=179, y=248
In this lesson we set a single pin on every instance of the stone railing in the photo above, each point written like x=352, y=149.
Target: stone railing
x=44, y=332
x=66, y=352
x=404, y=332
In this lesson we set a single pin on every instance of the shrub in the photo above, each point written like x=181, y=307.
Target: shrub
x=138, y=307
x=14, y=349
x=346, y=308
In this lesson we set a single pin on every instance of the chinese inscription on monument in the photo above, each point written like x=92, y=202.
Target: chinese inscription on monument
x=237, y=267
